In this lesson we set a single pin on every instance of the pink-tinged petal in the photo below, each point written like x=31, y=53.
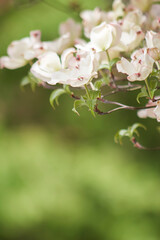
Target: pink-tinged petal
x=131, y=39
x=153, y=39
x=35, y=36
x=70, y=26
x=29, y=55
x=154, y=53
x=142, y=113
x=17, y=49
x=140, y=76
x=10, y=63
x=59, y=45
x=124, y=66
x=62, y=76
x=66, y=56
x=47, y=64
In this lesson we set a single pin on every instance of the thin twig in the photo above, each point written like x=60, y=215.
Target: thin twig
x=124, y=88
x=122, y=106
x=136, y=144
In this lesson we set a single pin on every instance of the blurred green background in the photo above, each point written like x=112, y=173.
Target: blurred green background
x=62, y=176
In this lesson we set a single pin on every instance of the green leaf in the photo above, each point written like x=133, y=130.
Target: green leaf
x=153, y=82
x=98, y=84
x=104, y=66
x=55, y=95
x=133, y=129
x=109, y=65
x=77, y=104
x=129, y=132
x=25, y=81
x=113, y=61
x=143, y=93
x=91, y=105
x=119, y=135
x=94, y=94
x=67, y=89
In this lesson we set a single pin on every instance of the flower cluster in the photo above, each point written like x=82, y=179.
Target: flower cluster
x=120, y=49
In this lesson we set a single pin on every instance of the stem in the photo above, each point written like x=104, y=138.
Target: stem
x=158, y=66
x=110, y=70
x=121, y=107
x=108, y=56
x=87, y=91
x=147, y=85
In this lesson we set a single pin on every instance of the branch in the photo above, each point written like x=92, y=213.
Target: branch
x=122, y=106
x=136, y=144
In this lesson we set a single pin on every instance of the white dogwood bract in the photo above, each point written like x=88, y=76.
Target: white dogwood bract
x=22, y=51
x=105, y=36
x=138, y=69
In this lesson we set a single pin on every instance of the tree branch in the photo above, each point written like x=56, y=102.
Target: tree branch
x=122, y=106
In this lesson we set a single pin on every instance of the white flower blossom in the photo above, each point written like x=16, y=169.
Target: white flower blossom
x=118, y=8
x=22, y=51
x=130, y=39
x=138, y=69
x=153, y=39
x=91, y=19
x=133, y=18
x=47, y=63
x=148, y=112
x=105, y=36
x=76, y=68
x=70, y=33
x=153, y=110
x=79, y=68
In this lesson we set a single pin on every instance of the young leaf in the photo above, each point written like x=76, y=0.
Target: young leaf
x=133, y=129
x=67, y=89
x=104, y=66
x=119, y=135
x=91, y=105
x=113, y=61
x=153, y=82
x=77, y=104
x=143, y=93
x=55, y=95
x=129, y=132
x=98, y=83
x=25, y=81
